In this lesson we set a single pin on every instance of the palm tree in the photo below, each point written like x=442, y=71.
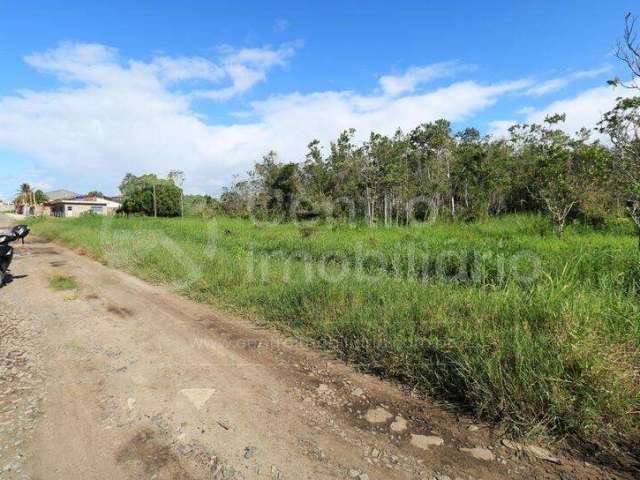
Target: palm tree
x=24, y=193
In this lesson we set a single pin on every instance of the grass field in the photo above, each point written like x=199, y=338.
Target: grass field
x=537, y=332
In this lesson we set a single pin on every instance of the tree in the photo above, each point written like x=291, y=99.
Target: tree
x=315, y=182
x=628, y=52
x=392, y=159
x=622, y=124
x=177, y=177
x=201, y=205
x=23, y=195
x=234, y=200
x=431, y=164
x=553, y=157
x=149, y=195
x=286, y=184
x=473, y=179
x=275, y=186
x=95, y=193
x=39, y=197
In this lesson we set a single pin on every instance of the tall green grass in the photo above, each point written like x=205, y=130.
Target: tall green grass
x=522, y=327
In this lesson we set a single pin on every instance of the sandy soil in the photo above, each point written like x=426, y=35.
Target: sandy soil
x=119, y=379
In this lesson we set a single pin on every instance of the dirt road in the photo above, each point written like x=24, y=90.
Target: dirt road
x=121, y=380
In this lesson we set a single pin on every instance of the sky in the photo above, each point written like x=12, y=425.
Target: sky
x=92, y=90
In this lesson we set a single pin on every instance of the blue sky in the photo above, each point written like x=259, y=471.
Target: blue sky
x=92, y=90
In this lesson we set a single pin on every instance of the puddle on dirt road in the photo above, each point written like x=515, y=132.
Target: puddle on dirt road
x=40, y=251
x=122, y=312
x=154, y=455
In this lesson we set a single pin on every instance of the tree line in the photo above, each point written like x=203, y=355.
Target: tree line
x=432, y=173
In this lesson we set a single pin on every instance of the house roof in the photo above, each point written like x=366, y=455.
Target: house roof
x=60, y=195
x=84, y=200
x=77, y=201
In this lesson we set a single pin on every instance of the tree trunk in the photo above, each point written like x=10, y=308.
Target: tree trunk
x=466, y=194
x=397, y=213
x=386, y=209
x=634, y=212
x=433, y=209
x=372, y=212
x=368, y=212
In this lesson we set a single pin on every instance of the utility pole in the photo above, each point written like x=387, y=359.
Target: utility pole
x=155, y=204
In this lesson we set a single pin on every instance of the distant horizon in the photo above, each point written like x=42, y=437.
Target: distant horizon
x=211, y=88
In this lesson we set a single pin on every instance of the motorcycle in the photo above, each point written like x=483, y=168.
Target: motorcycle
x=19, y=232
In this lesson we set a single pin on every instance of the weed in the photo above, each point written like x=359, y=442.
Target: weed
x=63, y=282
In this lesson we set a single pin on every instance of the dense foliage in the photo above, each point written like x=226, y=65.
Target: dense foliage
x=431, y=173
x=150, y=195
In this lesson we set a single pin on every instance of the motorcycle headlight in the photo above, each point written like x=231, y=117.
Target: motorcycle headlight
x=8, y=253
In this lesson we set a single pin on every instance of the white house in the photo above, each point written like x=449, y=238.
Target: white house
x=74, y=207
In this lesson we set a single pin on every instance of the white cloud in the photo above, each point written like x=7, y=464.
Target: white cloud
x=188, y=68
x=247, y=67
x=110, y=117
x=582, y=110
x=100, y=65
x=408, y=81
x=500, y=128
x=74, y=61
x=559, y=83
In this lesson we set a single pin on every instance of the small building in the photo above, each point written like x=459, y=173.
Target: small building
x=75, y=207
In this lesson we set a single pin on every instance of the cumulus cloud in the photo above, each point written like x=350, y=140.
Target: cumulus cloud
x=582, y=110
x=559, y=83
x=111, y=116
x=98, y=64
x=188, y=68
x=413, y=77
x=247, y=67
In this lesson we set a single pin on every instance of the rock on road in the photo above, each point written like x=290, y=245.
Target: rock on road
x=119, y=379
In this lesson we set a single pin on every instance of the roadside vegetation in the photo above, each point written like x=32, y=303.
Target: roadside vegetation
x=502, y=316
